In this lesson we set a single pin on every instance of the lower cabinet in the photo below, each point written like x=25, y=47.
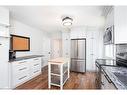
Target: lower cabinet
x=106, y=83
x=24, y=70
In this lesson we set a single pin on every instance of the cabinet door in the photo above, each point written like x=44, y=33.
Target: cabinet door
x=106, y=84
x=4, y=31
x=35, y=67
x=46, y=51
x=4, y=50
x=120, y=24
x=73, y=34
x=66, y=45
x=79, y=32
x=4, y=16
x=20, y=72
x=90, y=56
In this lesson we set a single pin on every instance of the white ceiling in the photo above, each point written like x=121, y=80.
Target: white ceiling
x=49, y=18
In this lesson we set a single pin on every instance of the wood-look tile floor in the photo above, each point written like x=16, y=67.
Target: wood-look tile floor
x=76, y=81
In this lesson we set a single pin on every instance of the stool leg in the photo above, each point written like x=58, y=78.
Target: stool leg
x=49, y=76
x=61, y=77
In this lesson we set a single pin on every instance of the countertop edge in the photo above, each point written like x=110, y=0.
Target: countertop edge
x=25, y=57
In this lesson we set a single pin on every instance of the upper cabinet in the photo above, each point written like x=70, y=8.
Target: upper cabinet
x=79, y=32
x=4, y=17
x=4, y=22
x=120, y=23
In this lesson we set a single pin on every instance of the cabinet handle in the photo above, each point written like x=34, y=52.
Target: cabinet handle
x=22, y=77
x=36, y=59
x=23, y=62
x=22, y=68
x=107, y=78
x=36, y=64
x=36, y=71
x=0, y=44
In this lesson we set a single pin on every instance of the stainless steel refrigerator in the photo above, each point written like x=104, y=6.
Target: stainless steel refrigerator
x=78, y=55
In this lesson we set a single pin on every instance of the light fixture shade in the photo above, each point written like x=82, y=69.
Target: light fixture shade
x=67, y=21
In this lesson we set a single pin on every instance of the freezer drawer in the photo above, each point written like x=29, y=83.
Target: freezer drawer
x=78, y=65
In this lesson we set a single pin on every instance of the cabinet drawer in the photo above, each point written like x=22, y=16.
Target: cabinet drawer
x=20, y=78
x=18, y=64
x=20, y=68
x=36, y=65
x=37, y=60
x=35, y=71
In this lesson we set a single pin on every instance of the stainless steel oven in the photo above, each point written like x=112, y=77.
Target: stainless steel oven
x=121, y=55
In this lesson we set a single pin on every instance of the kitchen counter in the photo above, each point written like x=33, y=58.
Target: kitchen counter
x=25, y=57
x=59, y=60
x=105, y=62
x=118, y=76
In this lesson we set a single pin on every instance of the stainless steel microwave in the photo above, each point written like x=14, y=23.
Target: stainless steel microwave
x=109, y=35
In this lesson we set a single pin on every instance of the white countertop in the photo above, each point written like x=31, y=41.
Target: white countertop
x=59, y=60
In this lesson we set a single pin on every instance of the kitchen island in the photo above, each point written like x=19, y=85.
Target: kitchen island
x=58, y=71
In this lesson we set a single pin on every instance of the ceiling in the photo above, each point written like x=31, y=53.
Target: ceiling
x=49, y=18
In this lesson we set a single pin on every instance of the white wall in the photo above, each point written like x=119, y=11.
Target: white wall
x=110, y=18
x=56, y=35
x=109, y=49
x=56, y=44
x=36, y=37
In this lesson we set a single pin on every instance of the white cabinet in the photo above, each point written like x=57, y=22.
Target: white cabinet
x=66, y=44
x=4, y=54
x=78, y=32
x=106, y=83
x=94, y=49
x=4, y=16
x=35, y=67
x=46, y=51
x=4, y=22
x=24, y=70
x=120, y=23
x=4, y=31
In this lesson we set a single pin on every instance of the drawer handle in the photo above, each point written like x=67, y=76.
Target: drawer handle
x=36, y=71
x=108, y=79
x=36, y=64
x=22, y=68
x=36, y=59
x=23, y=62
x=0, y=44
x=22, y=77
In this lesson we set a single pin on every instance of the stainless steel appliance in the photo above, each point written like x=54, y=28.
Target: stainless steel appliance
x=121, y=55
x=78, y=55
x=109, y=35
